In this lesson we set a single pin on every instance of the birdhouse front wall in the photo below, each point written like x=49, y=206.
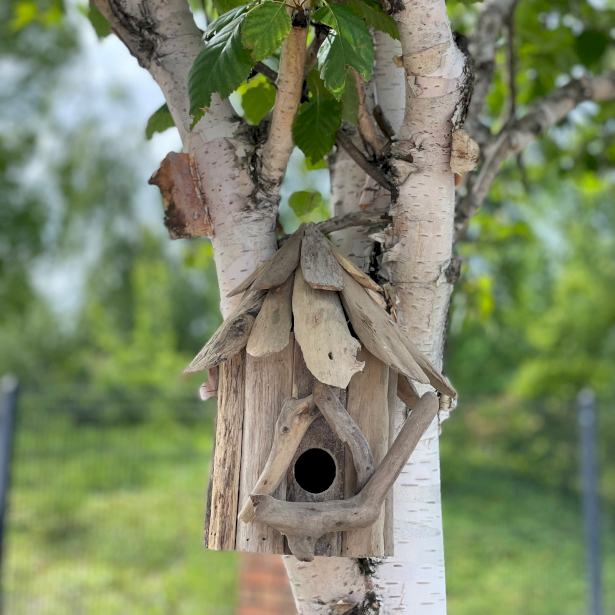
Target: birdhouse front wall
x=245, y=431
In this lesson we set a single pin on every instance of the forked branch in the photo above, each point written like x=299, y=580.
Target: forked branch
x=304, y=522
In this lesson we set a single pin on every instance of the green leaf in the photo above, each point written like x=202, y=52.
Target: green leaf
x=374, y=15
x=350, y=44
x=100, y=24
x=224, y=20
x=317, y=121
x=265, y=28
x=350, y=100
x=159, y=121
x=222, y=66
x=224, y=6
x=257, y=101
x=304, y=202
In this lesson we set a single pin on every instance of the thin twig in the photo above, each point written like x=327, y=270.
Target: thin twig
x=383, y=123
x=376, y=217
x=512, y=87
x=263, y=69
x=344, y=141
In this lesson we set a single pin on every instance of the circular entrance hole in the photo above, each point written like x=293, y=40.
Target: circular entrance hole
x=315, y=470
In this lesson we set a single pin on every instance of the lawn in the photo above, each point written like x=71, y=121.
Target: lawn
x=107, y=519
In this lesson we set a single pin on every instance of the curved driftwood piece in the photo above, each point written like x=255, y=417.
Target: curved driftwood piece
x=319, y=265
x=377, y=331
x=231, y=337
x=295, y=417
x=406, y=392
x=271, y=331
x=347, y=431
x=362, y=278
x=328, y=348
x=304, y=522
x=279, y=267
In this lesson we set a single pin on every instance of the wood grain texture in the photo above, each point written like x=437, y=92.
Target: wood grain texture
x=368, y=405
x=318, y=264
x=318, y=435
x=328, y=348
x=226, y=463
x=377, y=331
x=347, y=431
x=389, y=502
x=295, y=418
x=362, y=278
x=406, y=392
x=271, y=331
x=272, y=378
x=282, y=263
x=232, y=335
x=304, y=522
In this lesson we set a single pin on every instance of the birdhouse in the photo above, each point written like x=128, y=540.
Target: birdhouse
x=305, y=458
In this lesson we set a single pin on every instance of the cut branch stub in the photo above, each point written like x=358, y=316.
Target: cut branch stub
x=271, y=331
x=347, y=431
x=276, y=270
x=318, y=264
x=295, y=417
x=304, y=522
x=328, y=348
x=185, y=212
x=231, y=337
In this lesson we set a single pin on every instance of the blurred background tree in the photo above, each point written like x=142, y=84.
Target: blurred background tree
x=100, y=313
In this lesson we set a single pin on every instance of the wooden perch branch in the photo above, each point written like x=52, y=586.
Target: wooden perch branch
x=347, y=431
x=280, y=143
x=543, y=114
x=304, y=522
x=295, y=418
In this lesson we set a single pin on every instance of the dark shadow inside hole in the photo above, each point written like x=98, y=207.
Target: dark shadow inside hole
x=315, y=470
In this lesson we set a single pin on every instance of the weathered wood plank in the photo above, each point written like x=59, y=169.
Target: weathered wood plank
x=271, y=331
x=389, y=510
x=361, y=277
x=368, y=405
x=318, y=435
x=226, y=461
x=296, y=416
x=231, y=337
x=328, y=348
x=318, y=264
x=271, y=379
x=282, y=263
x=377, y=331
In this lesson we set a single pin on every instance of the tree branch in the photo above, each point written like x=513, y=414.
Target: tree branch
x=544, y=113
x=280, y=143
x=377, y=217
x=493, y=16
x=263, y=69
x=365, y=120
x=344, y=141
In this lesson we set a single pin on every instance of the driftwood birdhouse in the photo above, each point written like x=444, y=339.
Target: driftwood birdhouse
x=310, y=472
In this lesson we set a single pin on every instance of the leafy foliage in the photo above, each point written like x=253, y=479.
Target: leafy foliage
x=225, y=19
x=220, y=67
x=265, y=28
x=159, y=121
x=317, y=120
x=100, y=24
x=258, y=100
x=374, y=15
x=304, y=202
x=350, y=99
x=349, y=44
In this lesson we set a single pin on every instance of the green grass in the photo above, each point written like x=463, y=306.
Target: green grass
x=108, y=520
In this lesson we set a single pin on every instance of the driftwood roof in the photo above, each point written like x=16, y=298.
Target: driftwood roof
x=308, y=287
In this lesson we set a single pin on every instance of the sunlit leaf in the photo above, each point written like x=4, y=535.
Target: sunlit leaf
x=257, y=101
x=159, y=121
x=265, y=28
x=349, y=44
x=221, y=67
x=304, y=202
